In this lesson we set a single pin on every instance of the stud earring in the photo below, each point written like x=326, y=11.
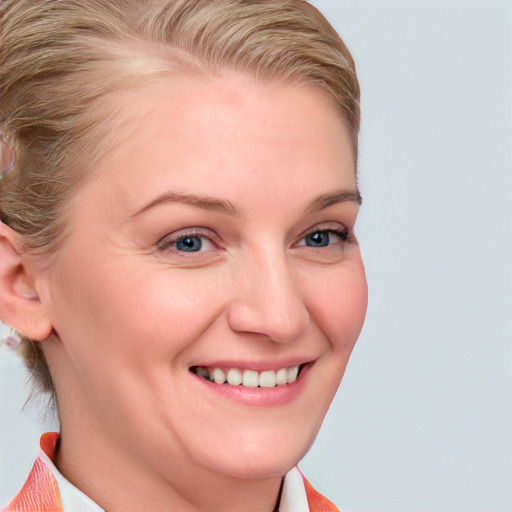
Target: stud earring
x=12, y=341
x=7, y=156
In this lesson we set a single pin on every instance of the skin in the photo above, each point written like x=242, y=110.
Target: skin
x=130, y=313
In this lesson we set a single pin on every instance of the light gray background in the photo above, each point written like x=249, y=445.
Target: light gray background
x=423, y=421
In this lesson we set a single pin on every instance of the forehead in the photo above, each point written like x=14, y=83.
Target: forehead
x=204, y=133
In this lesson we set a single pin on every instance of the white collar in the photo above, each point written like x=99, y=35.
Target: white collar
x=73, y=500
x=293, y=495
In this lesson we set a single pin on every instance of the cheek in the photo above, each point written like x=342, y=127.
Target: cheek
x=132, y=311
x=340, y=306
x=162, y=310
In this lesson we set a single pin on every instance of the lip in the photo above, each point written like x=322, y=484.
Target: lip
x=262, y=397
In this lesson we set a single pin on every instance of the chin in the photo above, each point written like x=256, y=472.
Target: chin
x=260, y=457
x=257, y=468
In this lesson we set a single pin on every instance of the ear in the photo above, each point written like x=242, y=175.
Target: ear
x=20, y=307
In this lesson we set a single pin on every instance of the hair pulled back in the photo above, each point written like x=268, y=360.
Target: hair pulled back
x=60, y=60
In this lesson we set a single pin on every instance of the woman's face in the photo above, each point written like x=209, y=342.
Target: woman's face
x=215, y=242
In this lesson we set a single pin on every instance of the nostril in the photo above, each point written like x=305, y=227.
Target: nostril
x=280, y=326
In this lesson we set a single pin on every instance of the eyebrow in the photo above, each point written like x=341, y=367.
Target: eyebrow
x=228, y=207
x=203, y=202
x=342, y=196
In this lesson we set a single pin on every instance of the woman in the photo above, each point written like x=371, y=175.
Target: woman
x=178, y=252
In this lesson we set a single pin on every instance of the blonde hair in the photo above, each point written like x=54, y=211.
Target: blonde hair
x=61, y=59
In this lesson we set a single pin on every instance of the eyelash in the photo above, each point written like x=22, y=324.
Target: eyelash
x=168, y=241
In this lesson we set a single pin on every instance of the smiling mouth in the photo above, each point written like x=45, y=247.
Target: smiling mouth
x=249, y=378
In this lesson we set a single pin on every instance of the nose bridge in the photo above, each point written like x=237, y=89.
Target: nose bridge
x=269, y=299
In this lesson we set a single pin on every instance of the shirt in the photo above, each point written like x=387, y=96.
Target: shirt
x=46, y=489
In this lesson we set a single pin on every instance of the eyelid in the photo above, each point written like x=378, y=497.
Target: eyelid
x=336, y=227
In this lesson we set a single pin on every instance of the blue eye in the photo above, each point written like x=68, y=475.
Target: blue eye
x=318, y=239
x=189, y=244
x=187, y=241
x=324, y=238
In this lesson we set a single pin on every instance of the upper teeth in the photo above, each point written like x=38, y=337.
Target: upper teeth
x=249, y=378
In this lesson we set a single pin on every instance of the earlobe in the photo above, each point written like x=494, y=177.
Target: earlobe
x=20, y=306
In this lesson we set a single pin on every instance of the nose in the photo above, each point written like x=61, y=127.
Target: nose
x=268, y=299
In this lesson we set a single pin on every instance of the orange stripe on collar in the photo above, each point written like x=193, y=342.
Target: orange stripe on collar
x=40, y=492
x=317, y=502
